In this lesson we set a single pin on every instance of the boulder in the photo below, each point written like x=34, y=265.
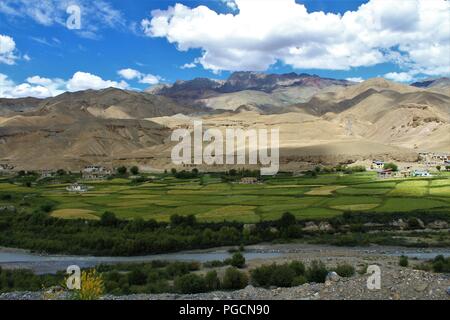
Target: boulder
x=438, y=224
x=325, y=226
x=310, y=226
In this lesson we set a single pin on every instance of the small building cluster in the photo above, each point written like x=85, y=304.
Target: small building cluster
x=76, y=187
x=95, y=172
x=434, y=158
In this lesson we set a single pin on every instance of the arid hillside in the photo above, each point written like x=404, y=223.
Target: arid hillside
x=320, y=121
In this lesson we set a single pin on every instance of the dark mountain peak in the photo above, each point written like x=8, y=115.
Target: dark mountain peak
x=433, y=82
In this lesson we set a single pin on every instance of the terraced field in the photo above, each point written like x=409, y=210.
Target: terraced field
x=305, y=197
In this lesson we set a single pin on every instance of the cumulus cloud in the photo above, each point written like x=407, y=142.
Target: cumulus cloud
x=85, y=80
x=33, y=87
x=399, y=76
x=95, y=15
x=414, y=34
x=132, y=74
x=7, y=50
x=41, y=87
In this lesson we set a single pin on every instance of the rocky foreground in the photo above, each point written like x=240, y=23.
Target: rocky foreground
x=397, y=283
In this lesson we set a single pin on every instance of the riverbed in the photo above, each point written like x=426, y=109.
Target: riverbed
x=41, y=264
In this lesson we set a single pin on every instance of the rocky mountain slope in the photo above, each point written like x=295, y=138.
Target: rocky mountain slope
x=334, y=122
x=243, y=88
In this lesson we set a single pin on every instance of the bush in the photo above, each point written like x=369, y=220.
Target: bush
x=92, y=286
x=261, y=276
x=403, y=262
x=234, y=279
x=137, y=277
x=298, y=281
x=317, y=272
x=237, y=260
x=212, y=282
x=298, y=267
x=345, y=270
x=282, y=276
x=190, y=283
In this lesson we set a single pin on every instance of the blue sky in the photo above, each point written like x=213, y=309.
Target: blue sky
x=45, y=47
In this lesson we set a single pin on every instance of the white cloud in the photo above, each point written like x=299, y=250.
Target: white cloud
x=41, y=87
x=26, y=57
x=94, y=14
x=355, y=79
x=399, y=76
x=84, y=81
x=7, y=50
x=34, y=87
x=188, y=65
x=413, y=34
x=129, y=74
x=132, y=74
x=149, y=79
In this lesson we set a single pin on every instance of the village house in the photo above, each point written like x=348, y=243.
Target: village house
x=6, y=168
x=433, y=158
x=95, y=173
x=421, y=173
x=47, y=174
x=75, y=187
x=377, y=164
x=383, y=174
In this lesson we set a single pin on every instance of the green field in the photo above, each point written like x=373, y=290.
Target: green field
x=326, y=195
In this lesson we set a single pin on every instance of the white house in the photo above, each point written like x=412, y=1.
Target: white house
x=421, y=173
x=77, y=188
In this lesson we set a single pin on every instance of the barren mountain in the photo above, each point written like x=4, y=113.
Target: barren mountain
x=337, y=124
x=269, y=90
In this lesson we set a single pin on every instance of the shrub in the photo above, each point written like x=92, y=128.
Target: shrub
x=234, y=279
x=237, y=260
x=403, y=262
x=137, y=277
x=345, y=270
x=212, y=282
x=299, y=280
x=316, y=272
x=190, y=283
x=261, y=276
x=282, y=276
x=298, y=267
x=92, y=286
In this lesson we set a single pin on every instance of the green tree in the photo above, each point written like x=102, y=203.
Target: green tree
x=134, y=170
x=237, y=260
x=438, y=168
x=108, y=219
x=403, y=262
x=390, y=165
x=122, y=170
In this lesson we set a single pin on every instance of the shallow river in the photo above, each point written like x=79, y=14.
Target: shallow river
x=16, y=258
